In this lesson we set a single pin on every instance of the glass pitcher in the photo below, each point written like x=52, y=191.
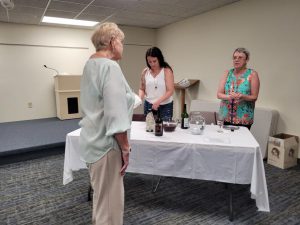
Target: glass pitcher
x=197, y=122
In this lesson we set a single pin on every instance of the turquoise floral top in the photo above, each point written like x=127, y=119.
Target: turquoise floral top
x=238, y=112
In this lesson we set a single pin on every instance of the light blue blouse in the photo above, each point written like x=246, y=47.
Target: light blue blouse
x=106, y=102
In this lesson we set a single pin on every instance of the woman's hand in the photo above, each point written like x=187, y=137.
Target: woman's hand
x=123, y=143
x=155, y=105
x=236, y=96
x=125, y=162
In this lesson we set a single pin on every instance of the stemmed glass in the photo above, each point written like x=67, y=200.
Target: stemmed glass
x=220, y=123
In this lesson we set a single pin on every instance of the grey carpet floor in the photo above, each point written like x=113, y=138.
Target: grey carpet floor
x=31, y=192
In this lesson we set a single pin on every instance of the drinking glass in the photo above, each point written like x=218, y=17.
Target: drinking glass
x=220, y=123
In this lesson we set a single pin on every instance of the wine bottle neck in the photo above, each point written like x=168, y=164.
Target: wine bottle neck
x=184, y=108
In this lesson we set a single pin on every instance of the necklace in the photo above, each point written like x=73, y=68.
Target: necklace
x=155, y=82
x=154, y=74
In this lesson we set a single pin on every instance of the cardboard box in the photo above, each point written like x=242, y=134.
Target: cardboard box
x=283, y=150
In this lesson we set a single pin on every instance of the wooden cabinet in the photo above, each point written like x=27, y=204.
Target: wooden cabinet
x=67, y=96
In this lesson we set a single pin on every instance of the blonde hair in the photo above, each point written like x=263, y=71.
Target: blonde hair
x=104, y=33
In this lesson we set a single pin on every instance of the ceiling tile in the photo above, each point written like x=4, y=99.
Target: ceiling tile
x=118, y=4
x=91, y=17
x=61, y=14
x=19, y=9
x=168, y=2
x=98, y=10
x=66, y=6
x=85, y=2
x=142, y=13
x=32, y=3
x=19, y=18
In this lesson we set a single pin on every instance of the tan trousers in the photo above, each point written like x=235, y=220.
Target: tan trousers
x=107, y=183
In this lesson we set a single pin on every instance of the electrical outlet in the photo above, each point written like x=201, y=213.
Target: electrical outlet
x=29, y=104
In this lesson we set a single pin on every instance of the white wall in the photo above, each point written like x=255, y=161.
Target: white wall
x=24, y=49
x=197, y=48
x=137, y=41
x=201, y=48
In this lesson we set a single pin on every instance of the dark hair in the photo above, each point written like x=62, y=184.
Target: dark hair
x=156, y=52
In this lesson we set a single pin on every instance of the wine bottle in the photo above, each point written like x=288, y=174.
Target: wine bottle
x=158, y=125
x=184, y=118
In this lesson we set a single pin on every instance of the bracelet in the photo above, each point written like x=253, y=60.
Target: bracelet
x=127, y=151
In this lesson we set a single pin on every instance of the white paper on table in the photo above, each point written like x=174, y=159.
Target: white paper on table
x=137, y=101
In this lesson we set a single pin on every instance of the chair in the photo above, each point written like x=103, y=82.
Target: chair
x=207, y=109
x=265, y=120
x=210, y=117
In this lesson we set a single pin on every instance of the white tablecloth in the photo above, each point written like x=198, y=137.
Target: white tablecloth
x=231, y=157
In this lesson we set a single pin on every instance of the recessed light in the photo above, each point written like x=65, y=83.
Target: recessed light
x=58, y=20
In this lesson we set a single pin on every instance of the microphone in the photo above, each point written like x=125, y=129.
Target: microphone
x=52, y=69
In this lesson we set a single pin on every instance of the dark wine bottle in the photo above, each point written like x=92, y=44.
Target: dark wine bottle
x=184, y=118
x=158, y=125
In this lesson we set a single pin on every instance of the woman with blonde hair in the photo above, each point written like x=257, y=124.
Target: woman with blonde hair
x=106, y=105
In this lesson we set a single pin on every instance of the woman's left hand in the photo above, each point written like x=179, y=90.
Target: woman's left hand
x=125, y=162
x=236, y=96
x=155, y=105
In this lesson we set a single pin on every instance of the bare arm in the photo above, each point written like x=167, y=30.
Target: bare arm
x=255, y=84
x=142, y=89
x=254, y=90
x=238, y=96
x=221, y=88
x=169, y=79
x=123, y=143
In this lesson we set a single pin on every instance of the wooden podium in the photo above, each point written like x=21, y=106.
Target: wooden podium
x=67, y=96
x=182, y=88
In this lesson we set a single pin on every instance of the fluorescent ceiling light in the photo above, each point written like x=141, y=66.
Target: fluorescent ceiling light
x=57, y=20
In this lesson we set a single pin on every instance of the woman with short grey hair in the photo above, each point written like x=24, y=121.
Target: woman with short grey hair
x=238, y=90
x=107, y=105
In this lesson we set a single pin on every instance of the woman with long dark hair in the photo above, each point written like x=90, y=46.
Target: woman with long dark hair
x=157, y=84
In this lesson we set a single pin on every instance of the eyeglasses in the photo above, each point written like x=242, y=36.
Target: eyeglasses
x=238, y=58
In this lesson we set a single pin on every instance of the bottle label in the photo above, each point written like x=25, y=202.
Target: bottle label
x=186, y=122
x=159, y=129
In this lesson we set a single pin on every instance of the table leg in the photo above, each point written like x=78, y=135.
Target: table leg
x=90, y=193
x=230, y=202
x=154, y=187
